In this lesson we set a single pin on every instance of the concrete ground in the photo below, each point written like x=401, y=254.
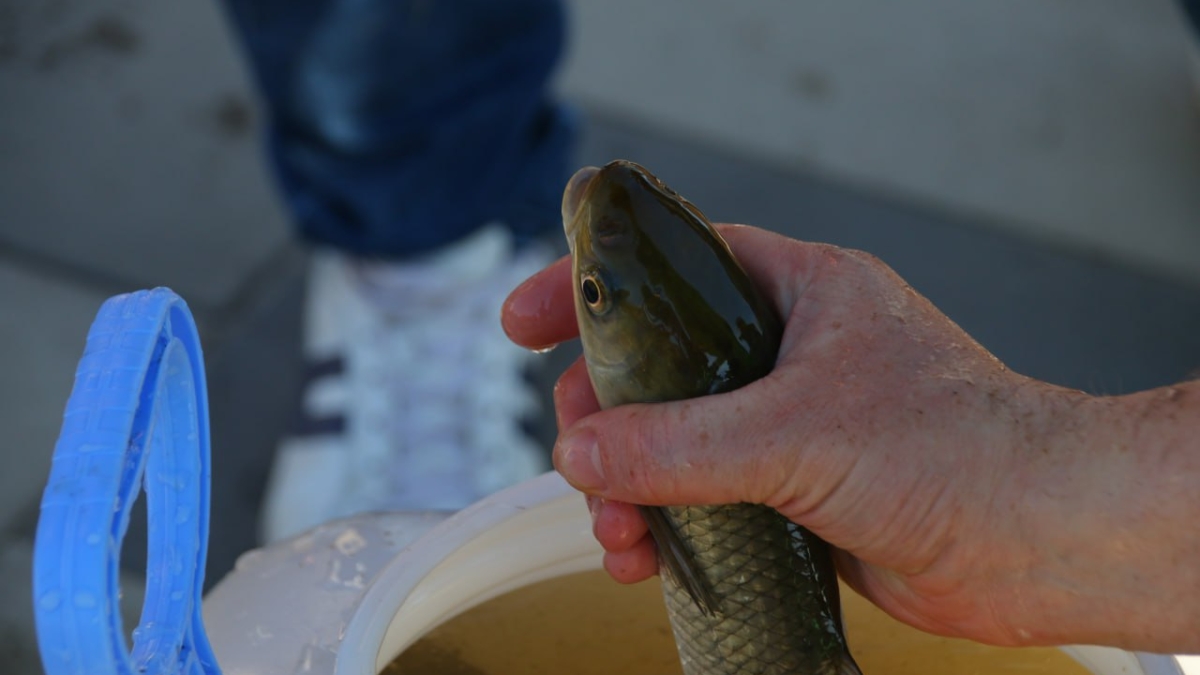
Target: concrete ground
x=1033, y=167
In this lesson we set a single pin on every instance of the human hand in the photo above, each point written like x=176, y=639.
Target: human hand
x=965, y=499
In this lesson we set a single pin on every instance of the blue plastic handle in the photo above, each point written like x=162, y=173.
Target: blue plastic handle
x=137, y=416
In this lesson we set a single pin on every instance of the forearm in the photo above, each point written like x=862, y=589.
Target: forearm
x=1109, y=508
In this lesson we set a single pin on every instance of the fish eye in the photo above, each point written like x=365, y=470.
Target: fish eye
x=595, y=296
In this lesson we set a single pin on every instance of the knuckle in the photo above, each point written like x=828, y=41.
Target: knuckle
x=643, y=464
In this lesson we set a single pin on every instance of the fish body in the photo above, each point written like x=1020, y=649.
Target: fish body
x=665, y=313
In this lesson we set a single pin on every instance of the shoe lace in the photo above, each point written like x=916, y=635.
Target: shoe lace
x=447, y=430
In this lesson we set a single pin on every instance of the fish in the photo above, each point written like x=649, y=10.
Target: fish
x=666, y=312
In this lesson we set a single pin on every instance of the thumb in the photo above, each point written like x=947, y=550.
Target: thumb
x=718, y=449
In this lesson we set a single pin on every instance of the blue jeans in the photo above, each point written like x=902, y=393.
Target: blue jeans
x=396, y=126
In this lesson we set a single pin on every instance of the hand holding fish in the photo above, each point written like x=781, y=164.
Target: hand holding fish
x=964, y=499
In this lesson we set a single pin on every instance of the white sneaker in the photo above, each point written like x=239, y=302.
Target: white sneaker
x=415, y=396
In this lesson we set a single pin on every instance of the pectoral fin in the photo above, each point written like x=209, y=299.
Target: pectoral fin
x=843, y=665
x=676, y=561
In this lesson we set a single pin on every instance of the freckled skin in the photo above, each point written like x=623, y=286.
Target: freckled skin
x=665, y=313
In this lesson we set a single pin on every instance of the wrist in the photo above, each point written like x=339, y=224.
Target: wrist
x=1105, y=497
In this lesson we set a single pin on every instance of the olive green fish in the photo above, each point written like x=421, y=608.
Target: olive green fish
x=665, y=312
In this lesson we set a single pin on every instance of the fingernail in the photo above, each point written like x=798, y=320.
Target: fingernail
x=579, y=460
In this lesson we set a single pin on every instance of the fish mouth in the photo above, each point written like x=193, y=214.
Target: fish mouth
x=573, y=198
x=609, y=377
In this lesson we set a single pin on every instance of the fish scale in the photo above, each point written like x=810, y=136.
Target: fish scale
x=765, y=586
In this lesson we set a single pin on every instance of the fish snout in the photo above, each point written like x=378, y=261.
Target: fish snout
x=573, y=197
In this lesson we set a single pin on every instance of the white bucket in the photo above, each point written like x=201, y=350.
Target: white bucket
x=347, y=598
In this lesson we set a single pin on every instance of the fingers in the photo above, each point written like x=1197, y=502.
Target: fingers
x=618, y=526
x=660, y=454
x=629, y=552
x=541, y=312
x=630, y=555
x=574, y=397
x=634, y=564
x=684, y=452
x=777, y=265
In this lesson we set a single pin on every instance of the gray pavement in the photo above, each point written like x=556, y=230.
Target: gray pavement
x=129, y=159
x=1069, y=122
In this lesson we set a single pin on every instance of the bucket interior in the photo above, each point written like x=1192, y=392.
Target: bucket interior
x=586, y=624
x=518, y=589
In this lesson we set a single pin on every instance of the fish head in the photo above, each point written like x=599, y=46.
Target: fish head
x=665, y=312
